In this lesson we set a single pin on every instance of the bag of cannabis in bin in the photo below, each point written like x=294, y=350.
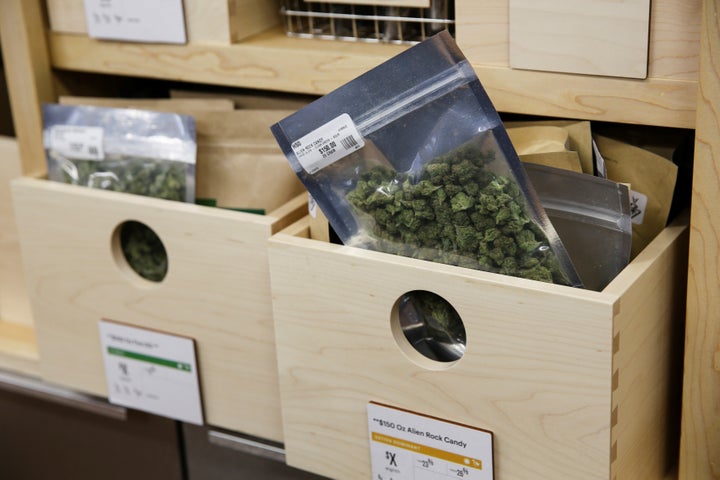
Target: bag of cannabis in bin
x=411, y=158
x=125, y=150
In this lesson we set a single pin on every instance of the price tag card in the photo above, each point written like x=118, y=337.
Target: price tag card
x=161, y=21
x=410, y=446
x=151, y=371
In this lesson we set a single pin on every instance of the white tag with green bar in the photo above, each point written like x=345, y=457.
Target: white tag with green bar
x=151, y=371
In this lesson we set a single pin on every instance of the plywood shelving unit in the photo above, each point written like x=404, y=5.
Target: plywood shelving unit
x=271, y=61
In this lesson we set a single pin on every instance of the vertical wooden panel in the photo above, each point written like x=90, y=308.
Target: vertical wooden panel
x=28, y=73
x=700, y=439
x=14, y=301
x=598, y=37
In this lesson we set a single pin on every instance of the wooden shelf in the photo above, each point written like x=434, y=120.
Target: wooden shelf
x=270, y=61
x=18, y=349
x=273, y=61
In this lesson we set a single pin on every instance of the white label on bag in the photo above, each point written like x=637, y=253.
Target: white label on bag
x=151, y=371
x=323, y=146
x=410, y=446
x=638, y=206
x=136, y=20
x=84, y=143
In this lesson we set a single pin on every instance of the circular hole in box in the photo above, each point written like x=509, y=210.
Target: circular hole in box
x=139, y=251
x=428, y=329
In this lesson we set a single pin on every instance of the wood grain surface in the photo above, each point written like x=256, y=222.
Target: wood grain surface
x=217, y=291
x=573, y=383
x=592, y=37
x=29, y=78
x=14, y=302
x=700, y=440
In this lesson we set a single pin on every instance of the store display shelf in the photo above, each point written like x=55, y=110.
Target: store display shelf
x=273, y=61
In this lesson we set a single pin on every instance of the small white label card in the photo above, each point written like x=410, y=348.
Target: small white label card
x=151, y=371
x=411, y=446
x=79, y=142
x=161, y=21
x=327, y=144
x=638, y=207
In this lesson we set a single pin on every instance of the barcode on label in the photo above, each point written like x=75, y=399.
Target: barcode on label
x=327, y=144
x=349, y=142
x=77, y=141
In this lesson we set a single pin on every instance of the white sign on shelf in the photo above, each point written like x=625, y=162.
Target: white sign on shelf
x=411, y=446
x=161, y=21
x=151, y=371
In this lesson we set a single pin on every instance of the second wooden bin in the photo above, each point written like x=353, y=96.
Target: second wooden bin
x=217, y=291
x=574, y=384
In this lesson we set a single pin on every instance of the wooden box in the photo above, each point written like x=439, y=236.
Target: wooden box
x=217, y=291
x=206, y=21
x=574, y=384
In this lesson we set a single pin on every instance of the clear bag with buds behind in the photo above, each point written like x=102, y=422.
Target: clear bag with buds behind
x=121, y=149
x=411, y=158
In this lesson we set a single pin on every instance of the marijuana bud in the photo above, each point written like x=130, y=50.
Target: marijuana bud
x=456, y=211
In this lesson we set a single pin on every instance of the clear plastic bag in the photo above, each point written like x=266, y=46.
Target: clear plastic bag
x=411, y=158
x=126, y=150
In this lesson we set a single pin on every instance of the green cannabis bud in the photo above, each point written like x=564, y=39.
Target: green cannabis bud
x=143, y=251
x=150, y=177
x=140, y=176
x=459, y=212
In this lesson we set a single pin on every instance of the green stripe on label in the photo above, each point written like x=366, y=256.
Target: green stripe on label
x=185, y=367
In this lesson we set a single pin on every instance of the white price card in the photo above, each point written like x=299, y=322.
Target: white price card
x=411, y=446
x=161, y=21
x=638, y=207
x=327, y=144
x=151, y=371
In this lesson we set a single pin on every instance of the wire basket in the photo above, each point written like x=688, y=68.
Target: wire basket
x=366, y=23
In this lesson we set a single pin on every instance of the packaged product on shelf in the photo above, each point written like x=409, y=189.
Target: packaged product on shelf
x=239, y=163
x=579, y=138
x=411, y=158
x=592, y=217
x=545, y=145
x=126, y=150
x=652, y=182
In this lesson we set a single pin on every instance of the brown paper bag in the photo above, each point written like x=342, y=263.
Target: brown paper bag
x=566, y=160
x=579, y=138
x=239, y=163
x=236, y=175
x=544, y=145
x=538, y=139
x=247, y=125
x=652, y=180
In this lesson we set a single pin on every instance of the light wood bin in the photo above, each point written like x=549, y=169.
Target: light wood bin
x=206, y=21
x=575, y=384
x=217, y=291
